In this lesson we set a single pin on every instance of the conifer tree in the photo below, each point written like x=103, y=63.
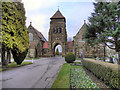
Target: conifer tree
x=20, y=52
x=14, y=33
x=0, y=27
x=104, y=25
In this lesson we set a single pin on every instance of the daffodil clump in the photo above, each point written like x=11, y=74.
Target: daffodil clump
x=79, y=79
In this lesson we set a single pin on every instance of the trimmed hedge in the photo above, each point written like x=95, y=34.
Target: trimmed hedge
x=70, y=57
x=107, y=72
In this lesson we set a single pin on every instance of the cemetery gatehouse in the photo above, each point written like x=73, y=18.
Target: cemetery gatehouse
x=39, y=46
x=57, y=33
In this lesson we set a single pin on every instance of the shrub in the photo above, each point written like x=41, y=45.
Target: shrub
x=19, y=57
x=69, y=57
x=107, y=72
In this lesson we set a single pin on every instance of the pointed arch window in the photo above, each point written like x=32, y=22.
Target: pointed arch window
x=31, y=36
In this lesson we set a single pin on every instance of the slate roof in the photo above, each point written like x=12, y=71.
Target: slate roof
x=58, y=14
x=39, y=34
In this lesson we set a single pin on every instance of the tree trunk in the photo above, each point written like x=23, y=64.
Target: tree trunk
x=9, y=56
x=4, y=59
x=119, y=57
x=119, y=69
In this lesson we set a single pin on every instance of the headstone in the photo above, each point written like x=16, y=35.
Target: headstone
x=97, y=58
x=111, y=60
x=104, y=59
x=81, y=58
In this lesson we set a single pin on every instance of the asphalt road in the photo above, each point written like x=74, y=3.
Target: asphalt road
x=40, y=74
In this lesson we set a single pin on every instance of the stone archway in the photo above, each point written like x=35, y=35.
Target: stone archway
x=58, y=43
x=58, y=50
x=57, y=33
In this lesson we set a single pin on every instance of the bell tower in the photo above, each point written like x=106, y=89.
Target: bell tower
x=57, y=33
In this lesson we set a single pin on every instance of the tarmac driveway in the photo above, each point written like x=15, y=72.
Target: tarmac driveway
x=40, y=74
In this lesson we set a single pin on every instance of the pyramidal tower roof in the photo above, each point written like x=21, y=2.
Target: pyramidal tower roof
x=57, y=15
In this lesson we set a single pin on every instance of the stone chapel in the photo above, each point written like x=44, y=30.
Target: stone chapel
x=81, y=46
x=39, y=46
x=37, y=41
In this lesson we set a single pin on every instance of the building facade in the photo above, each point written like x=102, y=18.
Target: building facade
x=39, y=46
x=80, y=46
x=36, y=42
x=57, y=33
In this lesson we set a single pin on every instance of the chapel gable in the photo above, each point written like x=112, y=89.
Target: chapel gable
x=36, y=42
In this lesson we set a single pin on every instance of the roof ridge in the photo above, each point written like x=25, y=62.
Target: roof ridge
x=81, y=27
x=58, y=14
x=42, y=37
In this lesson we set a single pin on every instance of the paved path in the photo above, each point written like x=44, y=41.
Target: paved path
x=41, y=74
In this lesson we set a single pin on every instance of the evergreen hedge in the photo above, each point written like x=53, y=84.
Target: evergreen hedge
x=107, y=72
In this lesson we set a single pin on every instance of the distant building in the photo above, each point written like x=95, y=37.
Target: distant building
x=37, y=41
x=45, y=49
x=39, y=46
x=70, y=46
x=81, y=46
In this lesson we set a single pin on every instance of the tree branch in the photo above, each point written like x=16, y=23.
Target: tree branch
x=109, y=46
x=109, y=40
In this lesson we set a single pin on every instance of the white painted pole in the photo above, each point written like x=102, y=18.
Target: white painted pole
x=32, y=60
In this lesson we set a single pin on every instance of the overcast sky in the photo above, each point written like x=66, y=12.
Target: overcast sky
x=75, y=11
x=39, y=13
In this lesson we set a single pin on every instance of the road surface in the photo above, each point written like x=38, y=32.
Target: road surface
x=40, y=74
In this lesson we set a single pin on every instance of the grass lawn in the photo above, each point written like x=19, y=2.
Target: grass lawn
x=78, y=58
x=2, y=69
x=14, y=65
x=63, y=78
x=32, y=58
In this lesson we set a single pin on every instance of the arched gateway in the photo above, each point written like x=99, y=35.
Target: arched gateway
x=57, y=33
